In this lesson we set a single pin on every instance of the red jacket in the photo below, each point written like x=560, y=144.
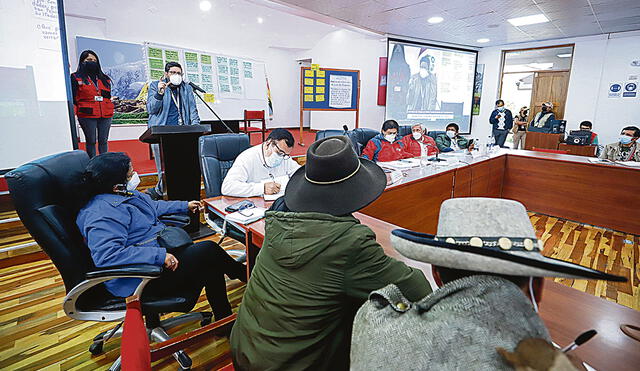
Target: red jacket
x=89, y=100
x=413, y=146
x=379, y=149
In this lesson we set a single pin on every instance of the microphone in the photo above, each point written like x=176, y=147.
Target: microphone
x=581, y=339
x=345, y=128
x=196, y=87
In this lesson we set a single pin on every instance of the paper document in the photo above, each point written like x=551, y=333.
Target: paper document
x=629, y=163
x=246, y=216
x=596, y=160
x=340, y=90
x=274, y=196
x=400, y=164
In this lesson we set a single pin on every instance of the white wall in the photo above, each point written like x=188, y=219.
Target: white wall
x=597, y=61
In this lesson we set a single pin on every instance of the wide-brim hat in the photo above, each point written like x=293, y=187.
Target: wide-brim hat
x=334, y=180
x=488, y=235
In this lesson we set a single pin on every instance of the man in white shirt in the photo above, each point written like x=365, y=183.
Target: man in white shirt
x=263, y=169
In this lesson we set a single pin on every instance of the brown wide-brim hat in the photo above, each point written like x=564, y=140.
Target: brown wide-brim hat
x=334, y=180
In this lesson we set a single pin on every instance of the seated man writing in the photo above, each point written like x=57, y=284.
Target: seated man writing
x=316, y=267
x=626, y=148
x=419, y=143
x=386, y=146
x=490, y=275
x=262, y=169
x=451, y=140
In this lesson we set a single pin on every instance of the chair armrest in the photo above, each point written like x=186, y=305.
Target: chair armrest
x=138, y=270
x=175, y=220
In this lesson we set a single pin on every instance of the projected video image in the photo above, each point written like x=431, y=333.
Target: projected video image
x=430, y=85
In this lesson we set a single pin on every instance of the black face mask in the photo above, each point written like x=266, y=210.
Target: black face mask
x=91, y=67
x=544, y=109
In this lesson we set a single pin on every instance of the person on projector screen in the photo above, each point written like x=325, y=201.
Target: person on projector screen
x=170, y=102
x=544, y=117
x=386, y=146
x=91, y=90
x=450, y=140
x=419, y=143
x=422, y=94
x=502, y=121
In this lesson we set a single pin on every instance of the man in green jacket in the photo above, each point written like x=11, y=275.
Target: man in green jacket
x=316, y=267
x=451, y=140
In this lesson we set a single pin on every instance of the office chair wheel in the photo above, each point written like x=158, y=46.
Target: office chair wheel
x=96, y=348
x=207, y=317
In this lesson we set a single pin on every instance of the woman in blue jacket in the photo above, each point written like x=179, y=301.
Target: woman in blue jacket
x=120, y=225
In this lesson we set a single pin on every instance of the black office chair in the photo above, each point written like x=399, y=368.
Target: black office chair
x=44, y=193
x=217, y=154
x=329, y=133
x=404, y=130
x=360, y=137
x=434, y=133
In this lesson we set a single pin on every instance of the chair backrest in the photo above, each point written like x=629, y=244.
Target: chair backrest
x=45, y=195
x=217, y=154
x=433, y=134
x=360, y=137
x=329, y=133
x=404, y=130
x=547, y=150
x=254, y=115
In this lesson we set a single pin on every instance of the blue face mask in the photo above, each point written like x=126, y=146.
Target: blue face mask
x=624, y=139
x=501, y=109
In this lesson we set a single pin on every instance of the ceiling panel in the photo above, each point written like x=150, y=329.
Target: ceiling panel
x=465, y=21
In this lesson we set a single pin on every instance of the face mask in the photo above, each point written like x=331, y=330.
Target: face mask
x=91, y=67
x=175, y=79
x=451, y=133
x=390, y=137
x=417, y=135
x=624, y=139
x=544, y=109
x=423, y=72
x=501, y=109
x=133, y=183
x=274, y=160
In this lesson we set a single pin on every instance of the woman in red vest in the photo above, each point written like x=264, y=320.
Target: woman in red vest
x=92, y=101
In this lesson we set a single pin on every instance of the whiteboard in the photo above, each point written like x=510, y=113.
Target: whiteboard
x=237, y=83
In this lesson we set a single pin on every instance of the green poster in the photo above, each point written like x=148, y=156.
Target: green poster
x=156, y=64
x=157, y=74
x=154, y=53
x=206, y=59
x=171, y=56
x=191, y=57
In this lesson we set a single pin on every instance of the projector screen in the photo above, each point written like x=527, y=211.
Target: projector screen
x=34, y=109
x=429, y=84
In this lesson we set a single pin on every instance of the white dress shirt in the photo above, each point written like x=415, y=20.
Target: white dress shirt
x=247, y=176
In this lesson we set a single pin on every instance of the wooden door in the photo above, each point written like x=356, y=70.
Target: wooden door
x=551, y=87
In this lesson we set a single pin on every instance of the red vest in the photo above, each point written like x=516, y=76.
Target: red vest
x=91, y=101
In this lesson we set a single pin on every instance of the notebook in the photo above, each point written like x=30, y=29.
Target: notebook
x=246, y=216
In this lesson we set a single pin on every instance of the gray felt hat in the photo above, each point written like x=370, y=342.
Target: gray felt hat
x=488, y=235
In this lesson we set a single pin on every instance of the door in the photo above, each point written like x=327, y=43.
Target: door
x=551, y=87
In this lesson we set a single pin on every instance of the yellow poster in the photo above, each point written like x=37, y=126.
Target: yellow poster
x=319, y=82
x=319, y=97
x=320, y=73
x=319, y=89
x=308, y=89
x=308, y=81
x=308, y=73
x=315, y=66
x=308, y=98
x=209, y=98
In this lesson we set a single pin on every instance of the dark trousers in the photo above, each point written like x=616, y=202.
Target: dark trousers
x=90, y=127
x=500, y=136
x=203, y=264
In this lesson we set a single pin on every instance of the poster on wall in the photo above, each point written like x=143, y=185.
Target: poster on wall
x=630, y=89
x=615, y=90
x=124, y=64
x=157, y=57
x=477, y=89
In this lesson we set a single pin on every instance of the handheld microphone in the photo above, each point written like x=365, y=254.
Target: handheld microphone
x=581, y=339
x=196, y=87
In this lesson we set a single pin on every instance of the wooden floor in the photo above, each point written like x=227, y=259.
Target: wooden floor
x=35, y=334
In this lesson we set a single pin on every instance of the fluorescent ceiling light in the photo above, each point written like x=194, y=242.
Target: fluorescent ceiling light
x=530, y=19
x=564, y=55
x=205, y=5
x=483, y=40
x=434, y=20
x=260, y=19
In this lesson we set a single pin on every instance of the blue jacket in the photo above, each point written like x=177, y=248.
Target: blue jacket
x=121, y=230
x=508, y=120
x=158, y=105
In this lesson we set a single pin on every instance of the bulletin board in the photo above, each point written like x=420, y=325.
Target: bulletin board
x=328, y=89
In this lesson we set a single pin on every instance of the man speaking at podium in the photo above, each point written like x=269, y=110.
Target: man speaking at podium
x=170, y=102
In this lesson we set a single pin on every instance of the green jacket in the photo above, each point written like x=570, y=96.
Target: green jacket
x=443, y=142
x=312, y=274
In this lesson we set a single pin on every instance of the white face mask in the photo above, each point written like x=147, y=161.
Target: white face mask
x=451, y=133
x=417, y=135
x=390, y=138
x=134, y=182
x=423, y=72
x=175, y=79
x=273, y=160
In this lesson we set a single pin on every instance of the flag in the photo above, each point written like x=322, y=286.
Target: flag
x=134, y=349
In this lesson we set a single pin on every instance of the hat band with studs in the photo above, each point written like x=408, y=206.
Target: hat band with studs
x=503, y=243
x=333, y=181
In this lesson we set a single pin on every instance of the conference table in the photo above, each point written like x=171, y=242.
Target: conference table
x=567, y=186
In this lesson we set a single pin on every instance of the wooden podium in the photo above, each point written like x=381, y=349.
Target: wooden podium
x=542, y=140
x=181, y=166
x=589, y=151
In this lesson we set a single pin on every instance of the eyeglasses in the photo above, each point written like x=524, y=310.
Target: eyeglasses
x=280, y=152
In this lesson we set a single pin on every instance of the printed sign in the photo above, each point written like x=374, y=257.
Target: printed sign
x=615, y=90
x=630, y=89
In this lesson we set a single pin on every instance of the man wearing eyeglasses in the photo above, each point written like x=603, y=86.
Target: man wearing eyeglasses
x=263, y=169
x=170, y=102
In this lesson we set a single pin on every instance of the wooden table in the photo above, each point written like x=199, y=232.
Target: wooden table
x=542, y=140
x=589, y=151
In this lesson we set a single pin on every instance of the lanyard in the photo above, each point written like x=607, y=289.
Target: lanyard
x=177, y=103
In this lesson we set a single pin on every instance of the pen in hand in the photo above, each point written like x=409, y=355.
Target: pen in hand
x=581, y=339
